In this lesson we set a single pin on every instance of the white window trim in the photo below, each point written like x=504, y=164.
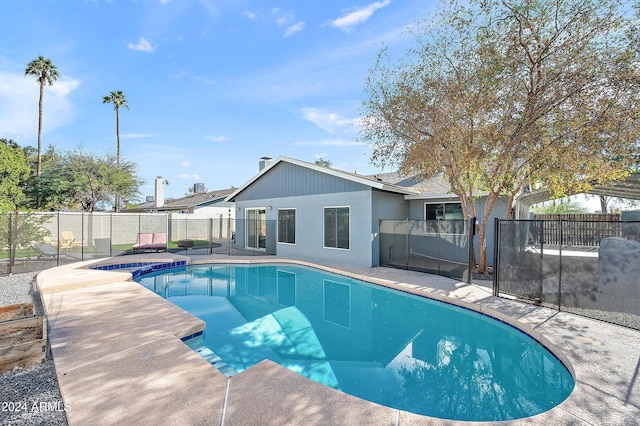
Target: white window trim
x=323, y=227
x=295, y=225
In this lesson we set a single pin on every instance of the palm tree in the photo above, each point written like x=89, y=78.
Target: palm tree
x=45, y=72
x=118, y=100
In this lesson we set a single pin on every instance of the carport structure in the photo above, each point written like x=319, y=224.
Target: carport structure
x=628, y=188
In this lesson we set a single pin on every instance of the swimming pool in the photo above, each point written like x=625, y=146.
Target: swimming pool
x=392, y=348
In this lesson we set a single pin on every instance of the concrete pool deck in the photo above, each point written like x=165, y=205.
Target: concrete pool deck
x=119, y=357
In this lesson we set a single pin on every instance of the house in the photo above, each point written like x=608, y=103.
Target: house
x=304, y=211
x=200, y=204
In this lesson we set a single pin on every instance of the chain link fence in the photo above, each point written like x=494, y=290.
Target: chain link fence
x=598, y=280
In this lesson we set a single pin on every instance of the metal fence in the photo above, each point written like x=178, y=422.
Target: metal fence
x=443, y=247
x=598, y=280
x=578, y=229
x=37, y=241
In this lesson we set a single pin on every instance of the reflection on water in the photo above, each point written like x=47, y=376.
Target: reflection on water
x=399, y=350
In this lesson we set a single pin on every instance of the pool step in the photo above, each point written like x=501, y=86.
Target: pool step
x=216, y=361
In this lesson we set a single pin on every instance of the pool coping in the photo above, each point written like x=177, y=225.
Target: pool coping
x=585, y=346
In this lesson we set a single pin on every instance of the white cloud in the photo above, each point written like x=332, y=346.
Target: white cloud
x=250, y=15
x=358, y=16
x=209, y=6
x=217, y=138
x=136, y=135
x=184, y=163
x=329, y=121
x=295, y=28
x=285, y=19
x=163, y=2
x=330, y=142
x=190, y=177
x=19, y=105
x=143, y=45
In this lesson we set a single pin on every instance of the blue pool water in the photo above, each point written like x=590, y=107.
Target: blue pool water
x=389, y=347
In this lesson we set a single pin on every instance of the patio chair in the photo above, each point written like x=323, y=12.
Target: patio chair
x=102, y=246
x=54, y=243
x=46, y=250
x=67, y=240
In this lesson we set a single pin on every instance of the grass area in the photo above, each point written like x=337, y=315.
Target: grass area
x=21, y=253
x=30, y=252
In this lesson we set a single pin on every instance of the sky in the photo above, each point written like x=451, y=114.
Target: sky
x=212, y=85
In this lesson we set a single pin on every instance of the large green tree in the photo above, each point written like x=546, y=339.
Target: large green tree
x=45, y=73
x=51, y=186
x=14, y=170
x=90, y=180
x=498, y=95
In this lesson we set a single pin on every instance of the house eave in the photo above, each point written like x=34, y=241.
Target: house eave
x=332, y=172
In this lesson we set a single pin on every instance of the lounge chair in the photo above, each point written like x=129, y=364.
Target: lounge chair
x=150, y=241
x=47, y=250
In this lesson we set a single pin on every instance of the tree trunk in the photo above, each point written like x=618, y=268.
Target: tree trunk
x=118, y=137
x=483, y=267
x=39, y=159
x=604, y=201
x=42, y=81
x=117, y=206
x=482, y=248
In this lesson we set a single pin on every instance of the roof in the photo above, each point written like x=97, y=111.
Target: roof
x=370, y=181
x=435, y=187
x=628, y=188
x=192, y=200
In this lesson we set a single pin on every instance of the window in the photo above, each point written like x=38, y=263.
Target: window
x=443, y=211
x=444, y=218
x=336, y=227
x=287, y=226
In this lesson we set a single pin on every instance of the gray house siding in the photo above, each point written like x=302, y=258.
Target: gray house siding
x=385, y=205
x=287, y=180
x=308, y=189
x=309, y=240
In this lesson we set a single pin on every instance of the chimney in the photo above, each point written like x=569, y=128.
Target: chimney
x=198, y=188
x=159, y=199
x=264, y=162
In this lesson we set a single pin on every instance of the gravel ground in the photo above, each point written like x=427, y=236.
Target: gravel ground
x=28, y=396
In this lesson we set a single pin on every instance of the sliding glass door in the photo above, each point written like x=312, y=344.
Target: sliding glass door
x=256, y=228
